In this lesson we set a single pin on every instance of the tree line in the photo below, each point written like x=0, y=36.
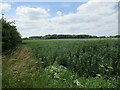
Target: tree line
x=55, y=36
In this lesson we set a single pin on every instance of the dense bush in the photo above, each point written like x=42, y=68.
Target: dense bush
x=10, y=36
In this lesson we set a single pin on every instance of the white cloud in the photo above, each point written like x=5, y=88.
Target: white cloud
x=5, y=6
x=31, y=13
x=94, y=18
x=59, y=13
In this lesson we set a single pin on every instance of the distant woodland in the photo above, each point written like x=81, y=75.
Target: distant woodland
x=55, y=36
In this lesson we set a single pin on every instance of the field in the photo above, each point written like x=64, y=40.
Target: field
x=64, y=63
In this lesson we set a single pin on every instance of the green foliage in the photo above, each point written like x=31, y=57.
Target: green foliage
x=88, y=58
x=88, y=63
x=10, y=36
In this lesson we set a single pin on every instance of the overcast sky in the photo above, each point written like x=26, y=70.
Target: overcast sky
x=42, y=18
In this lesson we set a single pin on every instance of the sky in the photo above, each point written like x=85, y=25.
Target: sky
x=42, y=18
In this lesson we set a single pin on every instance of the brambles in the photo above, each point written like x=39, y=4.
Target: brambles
x=88, y=58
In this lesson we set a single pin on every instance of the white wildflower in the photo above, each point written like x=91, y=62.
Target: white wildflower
x=51, y=70
x=56, y=76
x=54, y=68
x=72, y=76
x=77, y=82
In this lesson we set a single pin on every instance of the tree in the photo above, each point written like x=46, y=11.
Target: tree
x=10, y=36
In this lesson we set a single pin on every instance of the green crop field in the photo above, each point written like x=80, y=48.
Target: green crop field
x=71, y=63
x=85, y=57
